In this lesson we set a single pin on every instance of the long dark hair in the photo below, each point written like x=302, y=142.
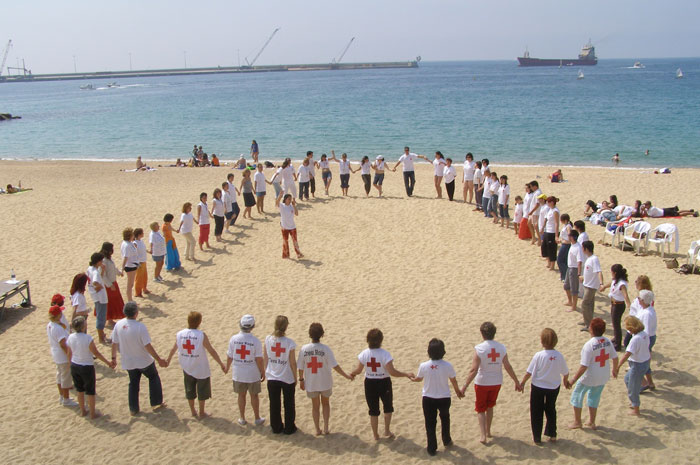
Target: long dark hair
x=620, y=273
x=107, y=250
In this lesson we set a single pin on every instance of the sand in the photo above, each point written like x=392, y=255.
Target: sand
x=416, y=268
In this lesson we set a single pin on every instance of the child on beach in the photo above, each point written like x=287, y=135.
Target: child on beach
x=130, y=263
x=246, y=353
x=186, y=227
x=202, y=219
x=115, y=302
x=518, y=216
x=593, y=373
x=158, y=250
x=172, y=256
x=81, y=352
x=439, y=170
x=378, y=365
x=141, y=281
x=489, y=359
x=546, y=369
x=218, y=210
x=57, y=333
x=190, y=345
x=639, y=357
x=493, y=202
x=232, y=191
x=281, y=372
x=288, y=210
x=314, y=364
x=260, y=188
x=304, y=177
x=574, y=263
x=436, y=393
x=98, y=293
x=478, y=186
x=228, y=205
x=564, y=245
x=449, y=175
x=77, y=296
x=248, y=196
x=503, y=198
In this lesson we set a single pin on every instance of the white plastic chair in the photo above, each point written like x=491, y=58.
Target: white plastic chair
x=670, y=234
x=635, y=235
x=695, y=261
x=693, y=253
x=614, y=235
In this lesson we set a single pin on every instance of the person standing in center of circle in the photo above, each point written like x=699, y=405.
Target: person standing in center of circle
x=409, y=174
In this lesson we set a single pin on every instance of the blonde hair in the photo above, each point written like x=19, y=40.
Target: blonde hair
x=281, y=323
x=548, y=338
x=634, y=325
x=127, y=234
x=186, y=207
x=644, y=282
x=154, y=225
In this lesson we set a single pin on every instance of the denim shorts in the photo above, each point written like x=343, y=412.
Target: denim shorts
x=101, y=312
x=580, y=391
x=158, y=258
x=326, y=175
x=260, y=194
x=503, y=211
x=378, y=179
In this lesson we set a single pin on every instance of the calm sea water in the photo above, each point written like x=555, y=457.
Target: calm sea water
x=493, y=109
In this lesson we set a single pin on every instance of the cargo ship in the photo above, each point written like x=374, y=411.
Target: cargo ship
x=585, y=58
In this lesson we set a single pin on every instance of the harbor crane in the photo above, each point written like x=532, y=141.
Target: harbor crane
x=4, y=55
x=343, y=52
x=251, y=63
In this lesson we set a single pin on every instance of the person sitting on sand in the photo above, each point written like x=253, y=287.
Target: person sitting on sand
x=246, y=353
x=241, y=163
x=140, y=165
x=215, y=160
x=489, y=359
x=557, y=176
x=655, y=212
x=593, y=373
x=378, y=365
x=314, y=364
x=190, y=345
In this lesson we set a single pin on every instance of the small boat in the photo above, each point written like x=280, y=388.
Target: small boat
x=679, y=74
x=87, y=87
x=580, y=74
x=638, y=65
x=112, y=84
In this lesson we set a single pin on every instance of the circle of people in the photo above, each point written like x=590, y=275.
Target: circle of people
x=253, y=362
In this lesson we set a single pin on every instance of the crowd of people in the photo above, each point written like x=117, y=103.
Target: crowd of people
x=563, y=244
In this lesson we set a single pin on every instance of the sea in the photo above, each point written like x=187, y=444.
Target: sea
x=494, y=109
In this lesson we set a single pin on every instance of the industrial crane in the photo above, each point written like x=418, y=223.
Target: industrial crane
x=4, y=55
x=251, y=63
x=344, y=51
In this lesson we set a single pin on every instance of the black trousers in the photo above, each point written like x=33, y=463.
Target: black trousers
x=275, y=391
x=450, y=187
x=304, y=190
x=549, y=246
x=367, y=179
x=431, y=407
x=616, y=312
x=543, y=401
x=312, y=183
x=155, y=389
x=409, y=180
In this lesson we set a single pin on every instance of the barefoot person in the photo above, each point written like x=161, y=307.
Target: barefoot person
x=638, y=354
x=379, y=167
x=409, y=175
x=378, y=365
x=288, y=210
x=435, y=374
x=81, y=351
x=115, y=302
x=489, y=359
x=57, y=332
x=202, y=219
x=326, y=173
x=593, y=373
x=314, y=363
x=468, y=179
x=439, y=171
x=246, y=353
x=98, y=293
x=190, y=345
x=280, y=362
x=130, y=263
x=131, y=340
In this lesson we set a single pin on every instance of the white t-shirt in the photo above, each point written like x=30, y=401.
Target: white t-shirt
x=436, y=374
x=616, y=290
x=595, y=355
x=365, y=167
x=655, y=212
x=95, y=276
x=582, y=237
x=128, y=250
x=324, y=164
x=219, y=207
x=639, y=347
x=79, y=344
x=157, y=243
x=317, y=361
x=648, y=317
x=375, y=361
x=491, y=354
x=186, y=223
x=527, y=200
x=534, y=202
x=407, y=160
x=564, y=233
x=503, y=194
x=278, y=350
x=344, y=166
x=304, y=174
x=77, y=299
x=487, y=188
x=203, y=213
x=261, y=181
x=228, y=203
x=287, y=216
x=288, y=175
x=132, y=337
x=56, y=332
x=542, y=218
x=518, y=217
x=191, y=353
x=477, y=177
x=469, y=168
x=110, y=274
x=547, y=367
x=312, y=168
x=244, y=348
x=575, y=256
x=141, y=251
x=449, y=173
x=493, y=187
x=551, y=222
x=439, y=166
x=591, y=268
x=232, y=190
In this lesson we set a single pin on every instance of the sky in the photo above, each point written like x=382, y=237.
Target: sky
x=58, y=36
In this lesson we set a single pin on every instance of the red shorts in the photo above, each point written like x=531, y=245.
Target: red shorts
x=486, y=397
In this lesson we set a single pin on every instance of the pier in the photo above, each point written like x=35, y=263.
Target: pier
x=28, y=77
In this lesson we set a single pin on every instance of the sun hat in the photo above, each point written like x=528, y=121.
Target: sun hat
x=380, y=157
x=247, y=322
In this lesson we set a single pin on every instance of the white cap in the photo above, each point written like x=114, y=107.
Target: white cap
x=380, y=157
x=247, y=322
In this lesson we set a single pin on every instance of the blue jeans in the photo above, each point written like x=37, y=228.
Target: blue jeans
x=485, y=205
x=633, y=380
x=409, y=180
x=101, y=314
x=562, y=260
x=155, y=389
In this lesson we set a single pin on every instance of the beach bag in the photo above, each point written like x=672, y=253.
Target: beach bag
x=671, y=263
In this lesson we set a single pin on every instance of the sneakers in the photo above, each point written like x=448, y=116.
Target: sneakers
x=69, y=403
x=259, y=421
x=158, y=279
x=242, y=422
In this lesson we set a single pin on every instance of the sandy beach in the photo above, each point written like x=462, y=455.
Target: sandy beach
x=416, y=268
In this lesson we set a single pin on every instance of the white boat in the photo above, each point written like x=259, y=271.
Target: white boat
x=638, y=65
x=580, y=74
x=87, y=87
x=112, y=84
x=679, y=74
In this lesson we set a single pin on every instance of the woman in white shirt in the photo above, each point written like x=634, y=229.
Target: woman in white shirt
x=638, y=354
x=449, y=174
x=218, y=211
x=280, y=364
x=439, y=170
x=202, y=219
x=468, y=179
x=550, y=232
x=326, y=173
x=288, y=210
x=344, y=169
x=186, y=227
x=130, y=263
x=365, y=167
x=478, y=186
x=564, y=244
x=486, y=192
x=546, y=369
x=378, y=166
x=57, y=333
x=619, y=299
x=115, y=301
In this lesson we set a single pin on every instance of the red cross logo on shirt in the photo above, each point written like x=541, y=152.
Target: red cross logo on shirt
x=278, y=350
x=188, y=347
x=242, y=351
x=314, y=365
x=433, y=367
x=493, y=355
x=373, y=364
x=601, y=340
x=602, y=358
x=552, y=359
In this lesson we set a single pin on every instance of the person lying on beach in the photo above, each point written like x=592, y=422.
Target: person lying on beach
x=10, y=189
x=655, y=212
x=557, y=176
x=590, y=208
